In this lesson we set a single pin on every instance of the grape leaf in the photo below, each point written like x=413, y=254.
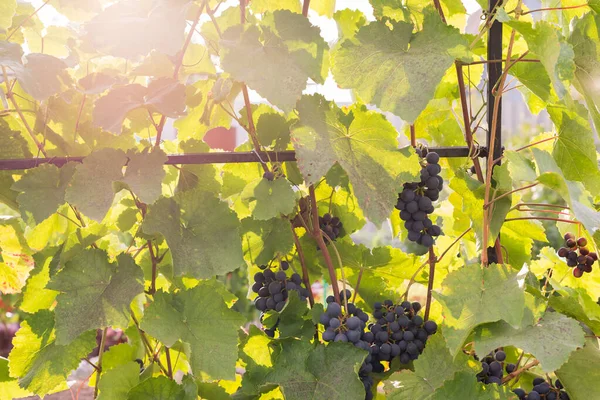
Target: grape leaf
x=261, y=6
x=273, y=130
x=551, y=340
x=434, y=367
x=366, y=150
x=464, y=385
x=9, y=387
x=43, y=189
x=43, y=76
x=581, y=374
x=157, y=388
x=145, y=173
x=325, y=8
x=191, y=176
x=269, y=69
x=555, y=54
x=38, y=361
x=199, y=317
x=577, y=304
x=35, y=295
x=15, y=260
x=535, y=78
x=91, y=189
x=7, y=11
x=394, y=69
x=201, y=231
x=110, y=110
x=117, y=382
x=306, y=372
x=12, y=145
x=520, y=167
x=95, y=293
x=263, y=240
x=269, y=199
x=349, y=22
x=469, y=297
x=574, y=150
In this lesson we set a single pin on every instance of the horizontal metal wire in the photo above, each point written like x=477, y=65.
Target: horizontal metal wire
x=214, y=158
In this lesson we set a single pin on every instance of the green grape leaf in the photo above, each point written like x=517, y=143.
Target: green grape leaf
x=35, y=295
x=273, y=130
x=546, y=42
x=393, y=9
x=325, y=8
x=520, y=167
x=117, y=382
x=95, y=293
x=201, y=231
x=366, y=150
x=469, y=297
x=111, y=110
x=305, y=372
x=199, y=317
x=578, y=304
x=9, y=387
x=303, y=40
x=8, y=9
x=293, y=320
x=394, y=69
x=91, y=188
x=12, y=145
x=269, y=199
x=145, y=173
x=581, y=374
x=42, y=189
x=575, y=151
x=43, y=76
x=270, y=70
x=464, y=385
x=263, y=240
x=166, y=96
x=157, y=388
x=349, y=22
x=551, y=340
x=262, y=6
x=535, y=78
x=38, y=361
x=434, y=367
x=192, y=176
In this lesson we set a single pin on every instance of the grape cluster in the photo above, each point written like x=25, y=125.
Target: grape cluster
x=416, y=202
x=273, y=287
x=492, y=368
x=543, y=389
x=577, y=255
x=349, y=326
x=332, y=226
x=269, y=175
x=398, y=332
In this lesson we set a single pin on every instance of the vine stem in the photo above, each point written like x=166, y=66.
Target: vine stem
x=169, y=366
x=316, y=233
x=99, y=365
x=305, y=276
x=543, y=219
x=79, y=115
x=554, y=9
x=147, y=345
x=413, y=136
x=497, y=61
x=178, y=64
x=26, y=20
x=520, y=371
x=10, y=95
x=485, y=206
x=432, y=261
x=452, y=244
x=305, y=7
x=154, y=259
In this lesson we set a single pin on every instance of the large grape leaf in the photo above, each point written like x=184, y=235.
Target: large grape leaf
x=464, y=385
x=366, y=148
x=574, y=150
x=199, y=317
x=306, y=372
x=12, y=145
x=9, y=387
x=577, y=304
x=263, y=240
x=91, y=189
x=38, y=361
x=7, y=11
x=551, y=340
x=145, y=173
x=469, y=298
x=260, y=6
x=43, y=75
x=392, y=68
x=555, y=54
x=434, y=367
x=201, y=231
x=15, y=260
x=95, y=293
x=268, y=68
x=43, y=189
x=192, y=176
x=581, y=374
x=118, y=381
x=269, y=199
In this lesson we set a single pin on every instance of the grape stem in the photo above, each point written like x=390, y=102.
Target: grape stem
x=485, y=206
x=432, y=262
x=553, y=9
x=520, y=371
x=341, y=267
x=169, y=366
x=99, y=366
x=147, y=347
x=316, y=233
x=543, y=219
x=305, y=6
x=305, y=276
x=154, y=261
x=413, y=136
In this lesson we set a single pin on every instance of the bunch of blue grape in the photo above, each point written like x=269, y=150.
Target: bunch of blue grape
x=416, y=202
x=398, y=332
x=543, y=389
x=578, y=256
x=349, y=326
x=492, y=368
x=273, y=287
x=332, y=226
